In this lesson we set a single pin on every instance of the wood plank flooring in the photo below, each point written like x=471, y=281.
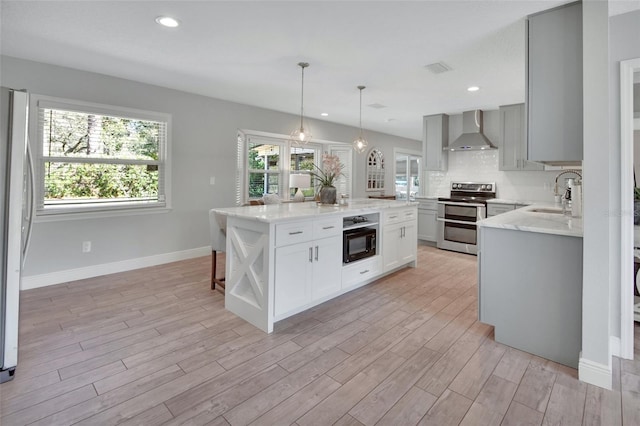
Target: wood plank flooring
x=156, y=346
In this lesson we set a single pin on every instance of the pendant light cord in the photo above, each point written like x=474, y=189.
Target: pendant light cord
x=302, y=65
x=361, y=87
x=302, y=98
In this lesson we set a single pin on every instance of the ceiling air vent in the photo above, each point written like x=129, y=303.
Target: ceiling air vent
x=438, y=67
x=377, y=106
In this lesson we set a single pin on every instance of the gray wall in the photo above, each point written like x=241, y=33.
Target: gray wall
x=203, y=145
x=624, y=33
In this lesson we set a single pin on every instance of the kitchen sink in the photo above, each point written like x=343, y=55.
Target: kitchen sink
x=546, y=210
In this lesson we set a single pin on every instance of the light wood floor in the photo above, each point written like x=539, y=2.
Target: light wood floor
x=155, y=346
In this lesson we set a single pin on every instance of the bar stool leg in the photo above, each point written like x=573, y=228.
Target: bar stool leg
x=215, y=280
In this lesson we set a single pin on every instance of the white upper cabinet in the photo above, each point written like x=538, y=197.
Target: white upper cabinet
x=554, y=85
x=513, y=141
x=435, y=137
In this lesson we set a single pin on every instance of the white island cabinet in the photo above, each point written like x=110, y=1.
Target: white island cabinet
x=400, y=236
x=283, y=259
x=305, y=271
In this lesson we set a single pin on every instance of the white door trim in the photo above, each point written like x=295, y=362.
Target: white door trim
x=409, y=152
x=627, y=69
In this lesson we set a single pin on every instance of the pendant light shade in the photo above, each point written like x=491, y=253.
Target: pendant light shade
x=360, y=143
x=301, y=135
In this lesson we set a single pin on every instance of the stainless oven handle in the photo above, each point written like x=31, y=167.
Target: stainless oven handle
x=462, y=222
x=453, y=203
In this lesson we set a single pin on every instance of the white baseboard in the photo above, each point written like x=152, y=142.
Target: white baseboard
x=595, y=373
x=58, y=277
x=614, y=346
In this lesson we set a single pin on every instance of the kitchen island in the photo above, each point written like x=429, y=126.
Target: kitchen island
x=530, y=281
x=285, y=258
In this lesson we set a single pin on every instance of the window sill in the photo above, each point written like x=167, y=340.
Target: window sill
x=80, y=215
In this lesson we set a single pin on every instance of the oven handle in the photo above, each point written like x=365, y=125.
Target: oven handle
x=463, y=222
x=453, y=203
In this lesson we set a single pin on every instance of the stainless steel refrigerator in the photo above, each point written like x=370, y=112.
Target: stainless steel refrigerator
x=16, y=193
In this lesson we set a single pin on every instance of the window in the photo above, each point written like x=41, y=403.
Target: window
x=265, y=168
x=407, y=175
x=95, y=157
x=343, y=183
x=304, y=159
x=375, y=170
x=266, y=160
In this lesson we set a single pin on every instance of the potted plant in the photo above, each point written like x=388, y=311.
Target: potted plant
x=636, y=205
x=326, y=176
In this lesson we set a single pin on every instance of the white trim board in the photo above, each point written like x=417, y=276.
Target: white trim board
x=594, y=373
x=58, y=277
x=614, y=346
x=627, y=69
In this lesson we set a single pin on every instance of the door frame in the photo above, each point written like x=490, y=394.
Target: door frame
x=627, y=69
x=421, y=173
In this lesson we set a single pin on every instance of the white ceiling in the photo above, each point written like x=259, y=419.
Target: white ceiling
x=247, y=51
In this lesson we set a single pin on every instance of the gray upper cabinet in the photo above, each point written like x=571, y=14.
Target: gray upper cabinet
x=435, y=137
x=513, y=141
x=554, y=85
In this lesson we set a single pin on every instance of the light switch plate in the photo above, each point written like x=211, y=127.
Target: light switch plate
x=212, y=180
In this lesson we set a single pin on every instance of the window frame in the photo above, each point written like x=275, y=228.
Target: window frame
x=245, y=137
x=105, y=208
x=281, y=166
x=375, y=171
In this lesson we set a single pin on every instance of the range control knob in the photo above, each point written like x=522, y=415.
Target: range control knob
x=489, y=187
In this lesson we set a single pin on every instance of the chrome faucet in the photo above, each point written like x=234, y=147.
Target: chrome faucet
x=564, y=172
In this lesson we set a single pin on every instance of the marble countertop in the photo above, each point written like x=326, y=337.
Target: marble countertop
x=287, y=211
x=526, y=219
x=507, y=201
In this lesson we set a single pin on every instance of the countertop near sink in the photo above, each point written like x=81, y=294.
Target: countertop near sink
x=525, y=219
x=506, y=201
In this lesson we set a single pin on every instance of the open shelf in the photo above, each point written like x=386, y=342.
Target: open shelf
x=359, y=225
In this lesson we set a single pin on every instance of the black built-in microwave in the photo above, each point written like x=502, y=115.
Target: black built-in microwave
x=358, y=244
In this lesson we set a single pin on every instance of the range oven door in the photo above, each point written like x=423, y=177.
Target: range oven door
x=457, y=229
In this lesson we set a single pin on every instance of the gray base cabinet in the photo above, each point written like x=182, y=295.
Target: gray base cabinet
x=530, y=289
x=428, y=220
x=554, y=85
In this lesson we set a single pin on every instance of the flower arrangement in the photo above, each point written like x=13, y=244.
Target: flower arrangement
x=330, y=171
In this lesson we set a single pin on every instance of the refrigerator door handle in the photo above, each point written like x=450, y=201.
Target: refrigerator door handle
x=32, y=202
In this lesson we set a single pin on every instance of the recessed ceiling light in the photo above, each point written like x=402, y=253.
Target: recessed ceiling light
x=473, y=88
x=167, y=21
x=324, y=114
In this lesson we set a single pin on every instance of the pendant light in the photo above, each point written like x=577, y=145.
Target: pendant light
x=301, y=135
x=360, y=143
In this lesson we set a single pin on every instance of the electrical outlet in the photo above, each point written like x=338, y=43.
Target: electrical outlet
x=86, y=246
x=212, y=180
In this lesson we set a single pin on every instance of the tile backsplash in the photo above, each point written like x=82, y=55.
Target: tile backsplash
x=482, y=166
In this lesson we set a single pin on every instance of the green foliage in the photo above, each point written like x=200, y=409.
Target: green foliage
x=636, y=193
x=255, y=162
x=77, y=135
x=92, y=181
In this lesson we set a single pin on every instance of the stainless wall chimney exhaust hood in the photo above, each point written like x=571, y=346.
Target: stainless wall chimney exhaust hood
x=472, y=138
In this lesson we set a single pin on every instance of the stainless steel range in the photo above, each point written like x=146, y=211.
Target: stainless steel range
x=458, y=214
